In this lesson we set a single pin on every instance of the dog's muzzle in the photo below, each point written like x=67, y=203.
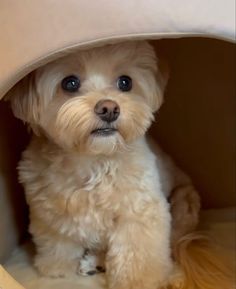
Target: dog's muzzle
x=108, y=111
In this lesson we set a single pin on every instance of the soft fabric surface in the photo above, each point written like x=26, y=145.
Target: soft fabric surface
x=33, y=32
x=219, y=223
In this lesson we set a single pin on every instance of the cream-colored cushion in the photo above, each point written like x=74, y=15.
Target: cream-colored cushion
x=6, y=280
x=33, y=32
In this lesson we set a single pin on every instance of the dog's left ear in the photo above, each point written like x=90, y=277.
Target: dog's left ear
x=164, y=71
x=157, y=78
x=161, y=78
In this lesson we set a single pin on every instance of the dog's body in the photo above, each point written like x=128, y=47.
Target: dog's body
x=109, y=205
x=91, y=179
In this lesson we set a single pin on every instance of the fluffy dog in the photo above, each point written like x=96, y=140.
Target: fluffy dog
x=93, y=183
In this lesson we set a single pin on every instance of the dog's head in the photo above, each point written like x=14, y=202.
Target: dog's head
x=96, y=101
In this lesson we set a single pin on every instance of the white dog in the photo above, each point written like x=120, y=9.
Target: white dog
x=95, y=188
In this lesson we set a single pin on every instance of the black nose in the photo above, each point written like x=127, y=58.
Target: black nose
x=108, y=110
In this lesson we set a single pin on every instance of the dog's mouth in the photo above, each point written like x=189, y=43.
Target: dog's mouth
x=104, y=131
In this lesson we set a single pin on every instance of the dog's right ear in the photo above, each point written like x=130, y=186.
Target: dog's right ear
x=24, y=100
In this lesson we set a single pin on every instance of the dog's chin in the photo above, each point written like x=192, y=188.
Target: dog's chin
x=105, y=142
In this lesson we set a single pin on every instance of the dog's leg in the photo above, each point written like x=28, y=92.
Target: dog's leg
x=183, y=197
x=185, y=207
x=58, y=258
x=139, y=251
x=92, y=263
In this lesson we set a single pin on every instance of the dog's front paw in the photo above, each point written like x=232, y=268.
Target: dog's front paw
x=90, y=264
x=56, y=268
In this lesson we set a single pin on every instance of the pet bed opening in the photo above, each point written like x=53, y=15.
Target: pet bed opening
x=196, y=125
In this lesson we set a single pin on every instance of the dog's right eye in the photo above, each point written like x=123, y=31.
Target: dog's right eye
x=124, y=83
x=70, y=84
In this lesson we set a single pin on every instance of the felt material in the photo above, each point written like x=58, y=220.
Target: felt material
x=34, y=32
x=6, y=281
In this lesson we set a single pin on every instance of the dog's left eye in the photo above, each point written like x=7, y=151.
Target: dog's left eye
x=124, y=83
x=70, y=83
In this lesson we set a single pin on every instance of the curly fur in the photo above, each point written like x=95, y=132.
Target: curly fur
x=104, y=194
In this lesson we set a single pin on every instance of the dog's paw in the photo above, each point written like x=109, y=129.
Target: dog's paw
x=90, y=265
x=185, y=207
x=57, y=269
x=185, y=201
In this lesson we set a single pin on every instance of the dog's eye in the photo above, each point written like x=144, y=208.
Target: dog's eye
x=70, y=83
x=124, y=83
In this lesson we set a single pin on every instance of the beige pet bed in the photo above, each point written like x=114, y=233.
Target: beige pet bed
x=196, y=124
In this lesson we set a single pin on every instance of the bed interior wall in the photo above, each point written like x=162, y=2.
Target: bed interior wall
x=196, y=125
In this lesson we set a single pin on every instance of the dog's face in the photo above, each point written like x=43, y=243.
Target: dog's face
x=96, y=101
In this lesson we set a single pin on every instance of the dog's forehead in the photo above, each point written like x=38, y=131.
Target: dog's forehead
x=108, y=56
x=104, y=60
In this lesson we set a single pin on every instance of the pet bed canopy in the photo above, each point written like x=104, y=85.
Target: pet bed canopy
x=33, y=32
x=200, y=98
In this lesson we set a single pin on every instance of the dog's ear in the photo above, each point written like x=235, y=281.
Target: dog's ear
x=161, y=78
x=158, y=76
x=163, y=72
x=24, y=100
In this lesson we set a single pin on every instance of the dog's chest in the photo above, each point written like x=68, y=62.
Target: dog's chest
x=81, y=197
x=84, y=200
x=78, y=197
